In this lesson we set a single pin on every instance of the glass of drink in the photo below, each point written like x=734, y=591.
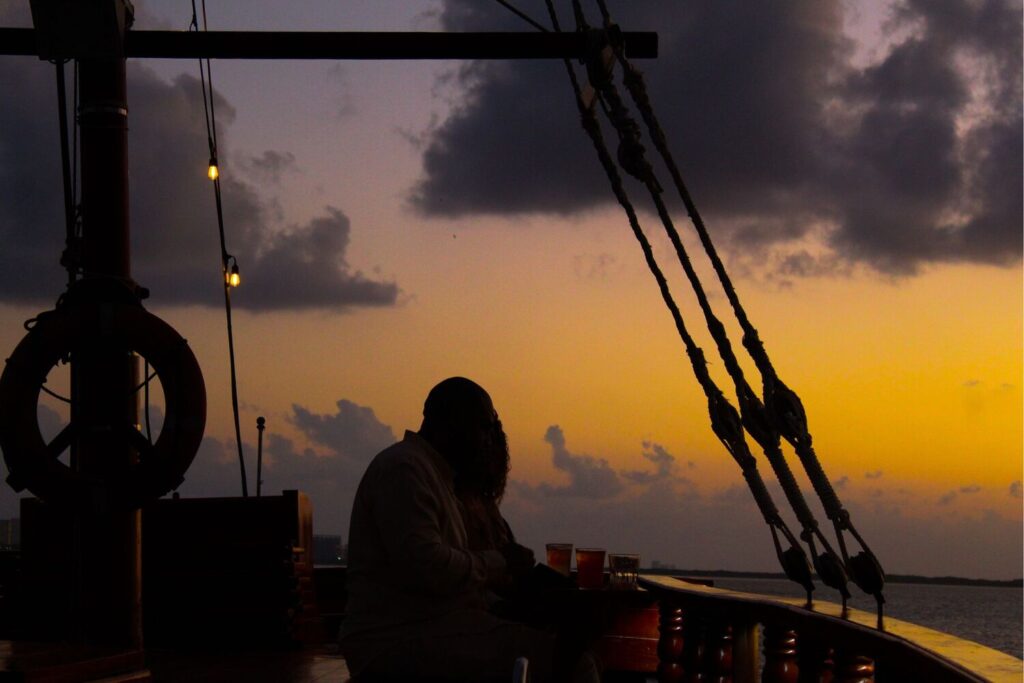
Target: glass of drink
x=590, y=567
x=622, y=571
x=559, y=557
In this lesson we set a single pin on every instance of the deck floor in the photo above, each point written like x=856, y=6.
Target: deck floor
x=23, y=661
x=301, y=666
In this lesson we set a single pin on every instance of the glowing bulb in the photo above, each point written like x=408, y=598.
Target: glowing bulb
x=234, y=279
x=213, y=172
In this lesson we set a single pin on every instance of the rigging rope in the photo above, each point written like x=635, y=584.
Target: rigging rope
x=632, y=156
x=725, y=421
x=206, y=81
x=68, y=258
x=785, y=413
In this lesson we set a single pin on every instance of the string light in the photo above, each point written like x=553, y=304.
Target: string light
x=234, y=278
x=213, y=172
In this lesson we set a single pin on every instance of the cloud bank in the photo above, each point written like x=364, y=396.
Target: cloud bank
x=176, y=252
x=655, y=510
x=910, y=160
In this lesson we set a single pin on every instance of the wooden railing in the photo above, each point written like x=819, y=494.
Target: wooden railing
x=709, y=634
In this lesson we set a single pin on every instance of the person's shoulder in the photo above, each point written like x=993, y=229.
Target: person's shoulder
x=405, y=453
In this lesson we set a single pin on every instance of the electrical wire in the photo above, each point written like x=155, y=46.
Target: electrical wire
x=206, y=81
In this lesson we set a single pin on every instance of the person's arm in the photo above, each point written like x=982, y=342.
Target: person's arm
x=408, y=514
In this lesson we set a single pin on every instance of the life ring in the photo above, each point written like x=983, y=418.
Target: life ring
x=160, y=467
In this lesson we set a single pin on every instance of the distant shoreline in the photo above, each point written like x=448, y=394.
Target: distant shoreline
x=890, y=578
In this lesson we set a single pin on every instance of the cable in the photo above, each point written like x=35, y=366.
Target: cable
x=206, y=81
x=522, y=15
x=149, y=431
x=67, y=260
x=54, y=394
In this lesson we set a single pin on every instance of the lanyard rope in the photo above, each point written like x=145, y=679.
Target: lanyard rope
x=725, y=420
x=782, y=408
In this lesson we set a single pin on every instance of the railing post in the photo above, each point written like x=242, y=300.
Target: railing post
x=817, y=662
x=855, y=669
x=718, y=657
x=670, y=642
x=746, y=652
x=694, y=647
x=780, y=655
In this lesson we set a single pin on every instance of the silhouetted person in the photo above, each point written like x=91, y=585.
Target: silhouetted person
x=480, y=487
x=417, y=592
x=537, y=598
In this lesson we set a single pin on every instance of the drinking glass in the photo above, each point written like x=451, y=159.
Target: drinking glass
x=590, y=567
x=622, y=570
x=559, y=557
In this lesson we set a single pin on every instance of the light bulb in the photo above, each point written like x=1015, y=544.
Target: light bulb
x=234, y=278
x=213, y=172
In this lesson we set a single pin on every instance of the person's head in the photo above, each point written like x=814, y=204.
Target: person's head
x=459, y=420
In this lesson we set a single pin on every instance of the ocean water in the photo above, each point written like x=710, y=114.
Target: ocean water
x=992, y=616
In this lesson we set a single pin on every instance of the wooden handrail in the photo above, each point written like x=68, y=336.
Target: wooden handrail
x=704, y=626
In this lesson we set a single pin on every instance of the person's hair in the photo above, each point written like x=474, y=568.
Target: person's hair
x=450, y=398
x=487, y=477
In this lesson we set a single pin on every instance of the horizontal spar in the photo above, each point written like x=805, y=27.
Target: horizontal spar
x=347, y=45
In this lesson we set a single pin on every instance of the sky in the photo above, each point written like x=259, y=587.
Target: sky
x=859, y=166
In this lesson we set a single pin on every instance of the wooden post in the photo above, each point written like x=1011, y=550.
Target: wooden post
x=780, y=655
x=718, y=656
x=816, y=661
x=694, y=647
x=855, y=669
x=670, y=642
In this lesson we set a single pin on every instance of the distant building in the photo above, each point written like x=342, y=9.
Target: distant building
x=10, y=533
x=328, y=550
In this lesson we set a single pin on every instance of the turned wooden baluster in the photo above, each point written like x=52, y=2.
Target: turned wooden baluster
x=817, y=661
x=694, y=647
x=780, y=656
x=670, y=643
x=718, y=656
x=855, y=669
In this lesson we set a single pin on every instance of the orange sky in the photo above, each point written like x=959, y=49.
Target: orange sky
x=912, y=384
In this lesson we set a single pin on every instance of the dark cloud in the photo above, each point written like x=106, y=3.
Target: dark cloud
x=909, y=160
x=841, y=482
x=354, y=431
x=664, y=463
x=176, y=252
x=269, y=166
x=1015, y=491
x=589, y=477
x=350, y=438
x=973, y=488
x=947, y=498
x=877, y=474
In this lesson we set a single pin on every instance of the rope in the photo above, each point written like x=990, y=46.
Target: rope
x=753, y=413
x=725, y=420
x=206, y=81
x=782, y=412
x=67, y=259
x=522, y=15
